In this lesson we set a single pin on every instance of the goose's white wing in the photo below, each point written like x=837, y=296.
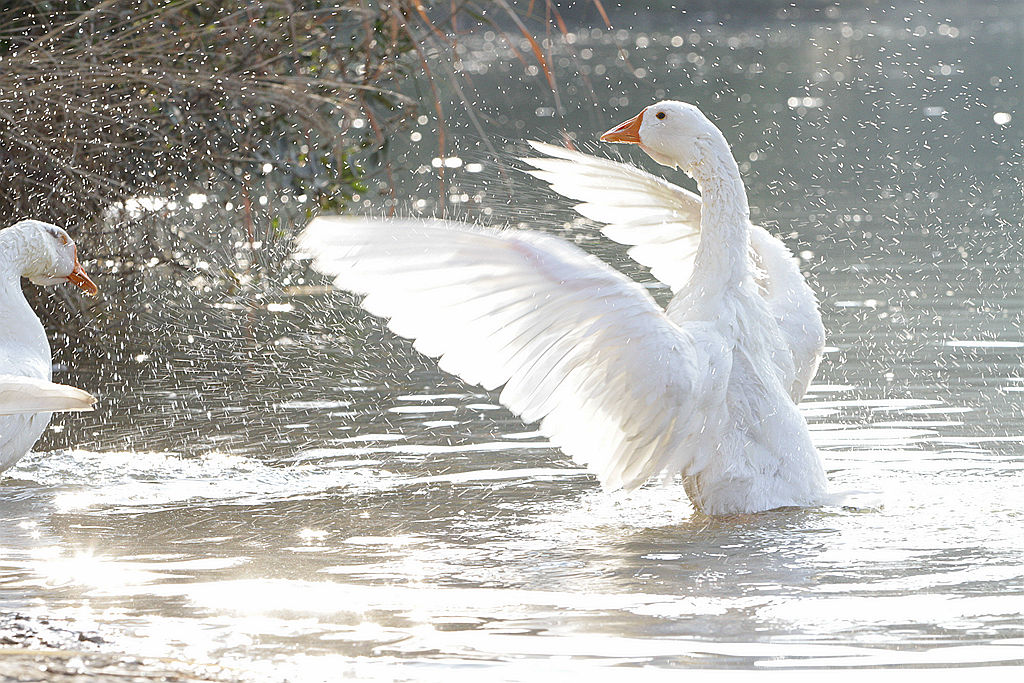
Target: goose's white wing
x=660, y=220
x=577, y=345
x=793, y=304
x=30, y=395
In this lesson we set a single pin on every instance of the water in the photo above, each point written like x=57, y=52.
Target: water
x=276, y=488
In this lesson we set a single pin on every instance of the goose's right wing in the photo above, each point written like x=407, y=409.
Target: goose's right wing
x=660, y=220
x=577, y=345
x=30, y=395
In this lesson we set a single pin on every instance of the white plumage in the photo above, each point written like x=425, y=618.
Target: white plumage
x=706, y=388
x=662, y=223
x=25, y=395
x=46, y=255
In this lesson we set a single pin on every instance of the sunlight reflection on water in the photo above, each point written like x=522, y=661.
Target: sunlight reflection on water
x=475, y=584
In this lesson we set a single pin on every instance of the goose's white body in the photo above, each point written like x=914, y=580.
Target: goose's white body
x=707, y=387
x=27, y=396
x=24, y=352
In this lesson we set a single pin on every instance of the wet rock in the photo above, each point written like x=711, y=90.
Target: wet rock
x=19, y=666
x=42, y=649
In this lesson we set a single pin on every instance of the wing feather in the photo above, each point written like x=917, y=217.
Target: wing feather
x=661, y=222
x=576, y=345
x=21, y=395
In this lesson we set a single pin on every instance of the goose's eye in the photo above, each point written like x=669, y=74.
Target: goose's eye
x=660, y=115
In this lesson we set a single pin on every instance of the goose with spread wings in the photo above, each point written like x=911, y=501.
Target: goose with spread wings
x=706, y=388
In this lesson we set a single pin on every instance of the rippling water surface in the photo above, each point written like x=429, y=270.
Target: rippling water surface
x=277, y=488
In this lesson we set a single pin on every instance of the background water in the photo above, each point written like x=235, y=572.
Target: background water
x=274, y=487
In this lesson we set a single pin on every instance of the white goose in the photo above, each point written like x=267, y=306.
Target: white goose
x=46, y=255
x=706, y=388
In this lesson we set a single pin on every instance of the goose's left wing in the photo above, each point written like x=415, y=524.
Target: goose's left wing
x=30, y=395
x=660, y=220
x=577, y=345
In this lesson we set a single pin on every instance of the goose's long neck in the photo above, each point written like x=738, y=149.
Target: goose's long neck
x=722, y=259
x=24, y=349
x=11, y=266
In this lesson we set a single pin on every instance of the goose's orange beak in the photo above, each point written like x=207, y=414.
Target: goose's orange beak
x=627, y=131
x=80, y=279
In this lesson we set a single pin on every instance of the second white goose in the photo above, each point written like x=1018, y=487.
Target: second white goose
x=46, y=255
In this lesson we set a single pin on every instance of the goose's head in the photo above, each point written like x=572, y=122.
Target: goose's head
x=672, y=133
x=46, y=255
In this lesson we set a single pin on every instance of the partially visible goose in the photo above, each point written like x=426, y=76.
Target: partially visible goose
x=706, y=388
x=46, y=255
